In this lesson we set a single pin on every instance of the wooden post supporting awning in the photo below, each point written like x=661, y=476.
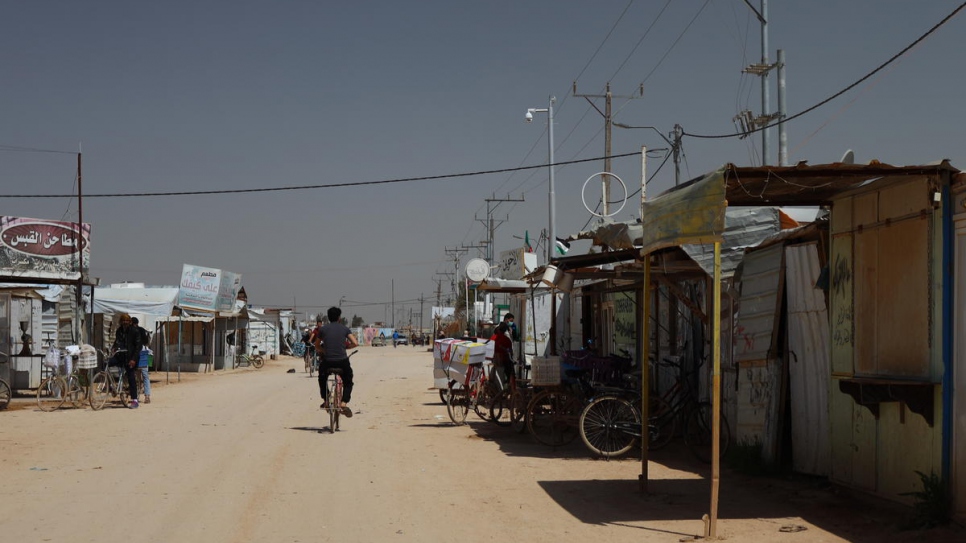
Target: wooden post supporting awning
x=690, y=215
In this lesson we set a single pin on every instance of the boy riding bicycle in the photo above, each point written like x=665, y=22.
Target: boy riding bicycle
x=331, y=342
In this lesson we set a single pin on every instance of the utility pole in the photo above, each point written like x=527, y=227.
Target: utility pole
x=606, y=114
x=455, y=253
x=490, y=223
x=746, y=120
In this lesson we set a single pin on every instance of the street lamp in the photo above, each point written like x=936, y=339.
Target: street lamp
x=553, y=201
x=675, y=146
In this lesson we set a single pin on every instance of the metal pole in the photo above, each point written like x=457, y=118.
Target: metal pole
x=676, y=149
x=553, y=201
x=605, y=179
x=79, y=245
x=643, y=178
x=782, y=107
x=764, y=81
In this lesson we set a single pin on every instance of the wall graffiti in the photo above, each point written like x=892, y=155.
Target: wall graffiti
x=841, y=275
x=842, y=329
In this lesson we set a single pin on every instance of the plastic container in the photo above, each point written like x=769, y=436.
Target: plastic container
x=87, y=359
x=545, y=371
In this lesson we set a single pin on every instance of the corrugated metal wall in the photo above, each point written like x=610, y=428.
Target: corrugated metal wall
x=759, y=400
x=808, y=362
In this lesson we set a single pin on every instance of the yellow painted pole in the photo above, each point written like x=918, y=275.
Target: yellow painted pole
x=716, y=392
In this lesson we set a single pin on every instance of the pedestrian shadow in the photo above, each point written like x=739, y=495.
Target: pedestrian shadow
x=314, y=429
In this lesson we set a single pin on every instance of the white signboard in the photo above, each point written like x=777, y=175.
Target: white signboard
x=515, y=264
x=208, y=289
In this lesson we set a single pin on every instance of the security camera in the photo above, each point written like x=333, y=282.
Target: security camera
x=529, y=117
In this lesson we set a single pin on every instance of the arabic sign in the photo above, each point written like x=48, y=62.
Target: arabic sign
x=208, y=289
x=515, y=264
x=42, y=249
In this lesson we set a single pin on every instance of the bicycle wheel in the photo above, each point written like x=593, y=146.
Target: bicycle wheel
x=100, y=390
x=483, y=399
x=518, y=409
x=457, y=404
x=697, y=432
x=52, y=393
x=444, y=395
x=662, y=423
x=75, y=392
x=500, y=411
x=335, y=396
x=610, y=426
x=5, y=394
x=552, y=417
x=258, y=362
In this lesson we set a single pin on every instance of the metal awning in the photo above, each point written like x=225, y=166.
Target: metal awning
x=804, y=185
x=507, y=285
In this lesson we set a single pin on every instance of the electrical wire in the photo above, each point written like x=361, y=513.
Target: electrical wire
x=312, y=187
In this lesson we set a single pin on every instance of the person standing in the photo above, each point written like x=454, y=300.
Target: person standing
x=332, y=342
x=127, y=350
x=395, y=338
x=145, y=341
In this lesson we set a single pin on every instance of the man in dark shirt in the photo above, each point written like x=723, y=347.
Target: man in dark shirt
x=332, y=341
x=127, y=350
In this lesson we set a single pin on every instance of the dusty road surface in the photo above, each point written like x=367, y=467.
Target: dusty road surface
x=242, y=456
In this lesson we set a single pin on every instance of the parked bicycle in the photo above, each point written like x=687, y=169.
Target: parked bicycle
x=610, y=425
x=63, y=385
x=473, y=393
x=111, y=383
x=254, y=359
x=509, y=407
x=333, y=399
x=553, y=413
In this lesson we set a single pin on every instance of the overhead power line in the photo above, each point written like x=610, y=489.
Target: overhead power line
x=311, y=187
x=843, y=91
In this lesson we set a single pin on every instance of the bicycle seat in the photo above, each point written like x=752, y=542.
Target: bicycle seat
x=334, y=371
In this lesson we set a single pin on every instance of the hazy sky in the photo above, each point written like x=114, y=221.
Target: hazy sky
x=186, y=96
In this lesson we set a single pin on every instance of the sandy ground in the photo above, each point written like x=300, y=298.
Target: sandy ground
x=245, y=455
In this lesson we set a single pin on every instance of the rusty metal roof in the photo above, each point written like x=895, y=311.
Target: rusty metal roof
x=805, y=185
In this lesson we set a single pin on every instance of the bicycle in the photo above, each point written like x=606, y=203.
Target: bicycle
x=610, y=425
x=333, y=399
x=474, y=392
x=60, y=388
x=311, y=360
x=509, y=407
x=111, y=382
x=254, y=360
x=553, y=414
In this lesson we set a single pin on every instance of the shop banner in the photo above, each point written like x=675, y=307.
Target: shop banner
x=42, y=249
x=208, y=289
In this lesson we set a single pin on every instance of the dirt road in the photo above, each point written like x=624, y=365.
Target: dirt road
x=240, y=456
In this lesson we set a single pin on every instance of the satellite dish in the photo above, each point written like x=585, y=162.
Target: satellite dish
x=477, y=270
x=848, y=157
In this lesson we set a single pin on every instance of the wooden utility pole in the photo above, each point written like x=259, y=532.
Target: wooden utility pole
x=608, y=98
